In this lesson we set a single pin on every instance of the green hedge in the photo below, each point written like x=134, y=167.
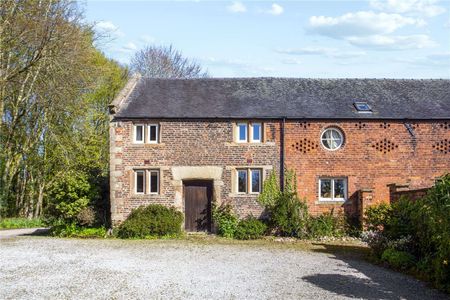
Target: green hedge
x=152, y=220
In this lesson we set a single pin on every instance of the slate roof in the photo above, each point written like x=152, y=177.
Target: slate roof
x=247, y=98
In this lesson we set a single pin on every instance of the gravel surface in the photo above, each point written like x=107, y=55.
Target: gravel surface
x=51, y=268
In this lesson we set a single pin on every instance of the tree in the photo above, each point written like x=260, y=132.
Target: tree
x=165, y=62
x=54, y=91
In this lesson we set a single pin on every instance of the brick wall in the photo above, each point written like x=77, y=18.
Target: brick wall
x=186, y=143
x=374, y=154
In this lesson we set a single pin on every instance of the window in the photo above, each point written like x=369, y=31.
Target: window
x=256, y=132
x=256, y=181
x=362, y=107
x=138, y=133
x=242, y=181
x=139, y=182
x=241, y=132
x=332, y=189
x=153, y=133
x=332, y=139
x=246, y=132
x=154, y=181
x=249, y=181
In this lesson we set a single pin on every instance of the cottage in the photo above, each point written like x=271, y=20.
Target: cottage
x=191, y=142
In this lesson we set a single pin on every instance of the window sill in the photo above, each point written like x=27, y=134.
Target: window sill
x=243, y=195
x=147, y=144
x=330, y=202
x=250, y=144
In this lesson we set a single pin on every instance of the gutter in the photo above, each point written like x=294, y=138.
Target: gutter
x=282, y=152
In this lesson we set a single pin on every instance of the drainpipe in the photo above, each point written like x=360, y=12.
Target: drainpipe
x=282, y=153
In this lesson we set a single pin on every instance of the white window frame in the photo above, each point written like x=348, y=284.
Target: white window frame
x=238, y=135
x=237, y=181
x=135, y=133
x=333, y=199
x=252, y=131
x=150, y=181
x=338, y=131
x=135, y=182
x=251, y=181
x=157, y=134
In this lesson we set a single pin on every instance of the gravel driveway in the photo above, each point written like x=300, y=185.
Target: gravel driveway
x=51, y=268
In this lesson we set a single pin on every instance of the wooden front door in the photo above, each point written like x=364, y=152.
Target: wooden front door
x=197, y=205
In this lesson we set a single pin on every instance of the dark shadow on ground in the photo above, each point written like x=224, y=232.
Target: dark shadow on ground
x=377, y=282
x=37, y=232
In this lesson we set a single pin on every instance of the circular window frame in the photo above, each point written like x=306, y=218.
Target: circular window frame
x=340, y=131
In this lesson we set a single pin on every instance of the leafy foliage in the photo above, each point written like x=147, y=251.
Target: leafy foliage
x=225, y=220
x=326, y=225
x=375, y=217
x=14, y=223
x=271, y=191
x=72, y=230
x=151, y=220
x=249, y=229
x=421, y=228
x=289, y=216
x=398, y=259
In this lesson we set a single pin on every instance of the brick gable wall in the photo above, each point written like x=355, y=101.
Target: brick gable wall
x=374, y=154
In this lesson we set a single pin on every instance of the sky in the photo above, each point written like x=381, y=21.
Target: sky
x=309, y=39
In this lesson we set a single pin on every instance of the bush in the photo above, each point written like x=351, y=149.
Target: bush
x=420, y=228
x=69, y=195
x=398, y=259
x=152, y=220
x=250, y=229
x=325, y=225
x=225, y=220
x=375, y=217
x=86, y=217
x=15, y=223
x=289, y=216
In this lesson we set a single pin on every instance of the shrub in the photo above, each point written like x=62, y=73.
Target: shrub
x=152, y=220
x=69, y=194
x=86, y=217
x=250, y=229
x=376, y=241
x=271, y=191
x=289, y=216
x=398, y=259
x=326, y=225
x=375, y=217
x=225, y=220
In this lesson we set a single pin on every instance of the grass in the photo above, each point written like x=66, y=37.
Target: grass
x=16, y=223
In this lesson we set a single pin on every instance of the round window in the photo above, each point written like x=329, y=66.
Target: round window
x=332, y=138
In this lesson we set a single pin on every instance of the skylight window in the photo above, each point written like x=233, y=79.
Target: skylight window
x=362, y=107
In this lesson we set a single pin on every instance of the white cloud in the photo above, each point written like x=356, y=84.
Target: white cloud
x=361, y=23
x=447, y=24
x=147, y=39
x=128, y=47
x=426, y=8
x=393, y=42
x=327, y=52
x=108, y=27
x=276, y=10
x=237, y=7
